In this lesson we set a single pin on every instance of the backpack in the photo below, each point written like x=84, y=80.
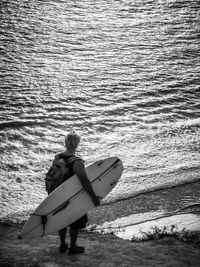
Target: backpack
x=59, y=172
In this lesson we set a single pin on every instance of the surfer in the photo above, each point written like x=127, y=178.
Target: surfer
x=77, y=167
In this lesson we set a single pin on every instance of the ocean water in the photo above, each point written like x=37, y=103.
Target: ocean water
x=125, y=75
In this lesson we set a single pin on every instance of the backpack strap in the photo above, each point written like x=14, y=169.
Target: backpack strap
x=67, y=159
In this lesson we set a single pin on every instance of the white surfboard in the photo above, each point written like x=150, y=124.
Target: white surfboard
x=70, y=201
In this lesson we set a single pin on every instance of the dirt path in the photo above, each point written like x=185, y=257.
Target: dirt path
x=100, y=250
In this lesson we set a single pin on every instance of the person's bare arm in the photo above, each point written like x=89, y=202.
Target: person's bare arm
x=79, y=169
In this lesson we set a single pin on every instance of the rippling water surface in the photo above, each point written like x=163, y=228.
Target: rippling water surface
x=124, y=74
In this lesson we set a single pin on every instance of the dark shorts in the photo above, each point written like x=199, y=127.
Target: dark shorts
x=80, y=223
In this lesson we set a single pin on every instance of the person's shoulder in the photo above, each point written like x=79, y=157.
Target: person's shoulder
x=78, y=162
x=69, y=158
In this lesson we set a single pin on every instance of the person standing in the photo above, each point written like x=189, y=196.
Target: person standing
x=75, y=166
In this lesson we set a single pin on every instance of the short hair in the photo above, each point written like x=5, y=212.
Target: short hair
x=72, y=140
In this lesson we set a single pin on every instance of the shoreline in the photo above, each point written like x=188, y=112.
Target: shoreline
x=129, y=218
x=100, y=250
x=111, y=211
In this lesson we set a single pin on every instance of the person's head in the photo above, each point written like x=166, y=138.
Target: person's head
x=72, y=141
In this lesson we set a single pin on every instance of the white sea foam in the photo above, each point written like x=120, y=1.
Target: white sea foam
x=150, y=225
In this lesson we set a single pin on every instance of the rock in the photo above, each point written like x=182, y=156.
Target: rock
x=19, y=180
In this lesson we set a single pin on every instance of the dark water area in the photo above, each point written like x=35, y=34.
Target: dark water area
x=125, y=75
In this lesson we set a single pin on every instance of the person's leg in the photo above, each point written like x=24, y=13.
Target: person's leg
x=74, y=249
x=74, y=230
x=62, y=234
x=73, y=236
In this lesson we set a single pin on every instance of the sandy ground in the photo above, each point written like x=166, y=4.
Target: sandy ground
x=100, y=250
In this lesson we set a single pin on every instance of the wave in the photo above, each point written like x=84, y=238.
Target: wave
x=113, y=197
x=19, y=124
x=154, y=225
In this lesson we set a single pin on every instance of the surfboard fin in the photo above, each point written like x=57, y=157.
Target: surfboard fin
x=44, y=221
x=113, y=183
